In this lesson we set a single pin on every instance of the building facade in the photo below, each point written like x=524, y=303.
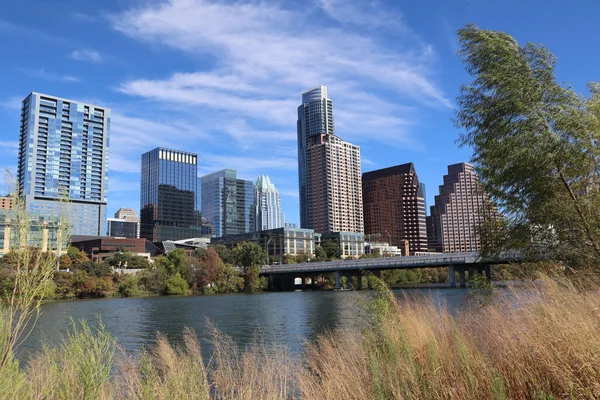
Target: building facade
x=168, y=206
x=352, y=244
x=63, y=160
x=394, y=206
x=43, y=233
x=277, y=242
x=7, y=203
x=122, y=228
x=459, y=212
x=227, y=202
x=267, y=205
x=329, y=172
x=129, y=215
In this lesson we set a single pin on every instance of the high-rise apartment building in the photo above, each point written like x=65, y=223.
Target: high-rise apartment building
x=328, y=170
x=459, y=212
x=227, y=202
x=394, y=206
x=267, y=205
x=63, y=161
x=168, y=207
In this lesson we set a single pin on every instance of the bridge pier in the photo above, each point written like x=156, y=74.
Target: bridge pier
x=313, y=282
x=337, y=280
x=461, y=276
x=488, y=272
x=451, y=276
x=359, y=281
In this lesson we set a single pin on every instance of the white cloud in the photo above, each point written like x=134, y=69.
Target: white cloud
x=265, y=55
x=41, y=73
x=13, y=104
x=86, y=55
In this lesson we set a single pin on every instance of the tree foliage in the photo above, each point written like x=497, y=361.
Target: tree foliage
x=248, y=255
x=535, y=145
x=332, y=250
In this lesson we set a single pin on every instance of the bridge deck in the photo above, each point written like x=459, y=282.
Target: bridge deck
x=424, y=261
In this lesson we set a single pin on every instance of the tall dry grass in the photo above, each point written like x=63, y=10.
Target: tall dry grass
x=536, y=342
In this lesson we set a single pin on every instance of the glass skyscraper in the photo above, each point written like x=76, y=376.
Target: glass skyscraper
x=168, y=206
x=227, y=202
x=63, y=155
x=267, y=205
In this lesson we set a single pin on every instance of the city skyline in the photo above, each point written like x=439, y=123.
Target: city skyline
x=228, y=100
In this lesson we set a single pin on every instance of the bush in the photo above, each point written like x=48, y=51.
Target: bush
x=176, y=285
x=129, y=287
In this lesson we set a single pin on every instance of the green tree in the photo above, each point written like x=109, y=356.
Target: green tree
x=129, y=287
x=225, y=253
x=332, y=250
x=176, y=285
x=77, y=256
x=248, y=255
x=320, y=253
x=535, y=145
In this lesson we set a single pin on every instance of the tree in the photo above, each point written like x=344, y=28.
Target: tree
x=535, y=146
x=210, y=267
x=246, y=256
x=225, y=253
x=332, y=250
x=176, y=285
x=77, y=256
x=320, y=253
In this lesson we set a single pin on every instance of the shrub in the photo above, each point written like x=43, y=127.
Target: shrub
x=176, y=285
x=129, y=287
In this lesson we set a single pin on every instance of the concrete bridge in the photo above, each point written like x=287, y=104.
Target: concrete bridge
x=282, y=277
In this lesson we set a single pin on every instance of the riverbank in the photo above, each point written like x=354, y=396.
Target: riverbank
x=537, y=343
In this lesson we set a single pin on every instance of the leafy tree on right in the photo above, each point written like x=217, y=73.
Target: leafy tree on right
x=535, y=145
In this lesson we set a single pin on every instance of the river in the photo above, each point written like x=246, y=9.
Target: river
x=288, y=318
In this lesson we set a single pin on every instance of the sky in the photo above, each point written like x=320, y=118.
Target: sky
x=224, y=78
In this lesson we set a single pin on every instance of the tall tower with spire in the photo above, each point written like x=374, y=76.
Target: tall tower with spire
x=267, y=205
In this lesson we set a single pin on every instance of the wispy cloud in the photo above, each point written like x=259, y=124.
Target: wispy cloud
x=41, y=73
x=86, y=55
x=82, y=17
x=264, y=60
x=13, y=104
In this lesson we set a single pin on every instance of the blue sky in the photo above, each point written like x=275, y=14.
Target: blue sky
x=223, y=79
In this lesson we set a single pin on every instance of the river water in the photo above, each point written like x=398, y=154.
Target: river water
x=289, y=318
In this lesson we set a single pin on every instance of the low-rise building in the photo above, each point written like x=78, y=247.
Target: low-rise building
x=277, y=242
x=42, y=232
x=7, y=202
x=351, y=243
x=98, y=247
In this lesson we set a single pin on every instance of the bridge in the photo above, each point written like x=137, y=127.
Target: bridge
x=282, y=277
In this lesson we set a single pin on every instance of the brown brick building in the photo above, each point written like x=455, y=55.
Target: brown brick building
x=459, y=211
x=394, y=206
x=7, y=203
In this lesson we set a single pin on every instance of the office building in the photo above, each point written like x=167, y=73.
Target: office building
x=168, y=207
x=394, y=206
x=63, y=161
x=459, y=212
x=267, y=205
x=122, y=228
x=328, y=170
x=43, y=232
x=7, y=202
x=227, y=202
x=277, y=242
x=129, y=215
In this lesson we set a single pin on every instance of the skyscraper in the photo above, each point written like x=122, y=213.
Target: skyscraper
x=168, y=205
x=63, y=160
x=394, y=206
x=459, y=211
x=227, y=202
x=267, y=205
x=328, y=170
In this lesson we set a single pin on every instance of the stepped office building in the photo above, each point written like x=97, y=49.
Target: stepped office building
x=168, y=206
x=63, y=155
x=328, y=170
x=227, y=202
x=459, y=211
x=394, y=206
